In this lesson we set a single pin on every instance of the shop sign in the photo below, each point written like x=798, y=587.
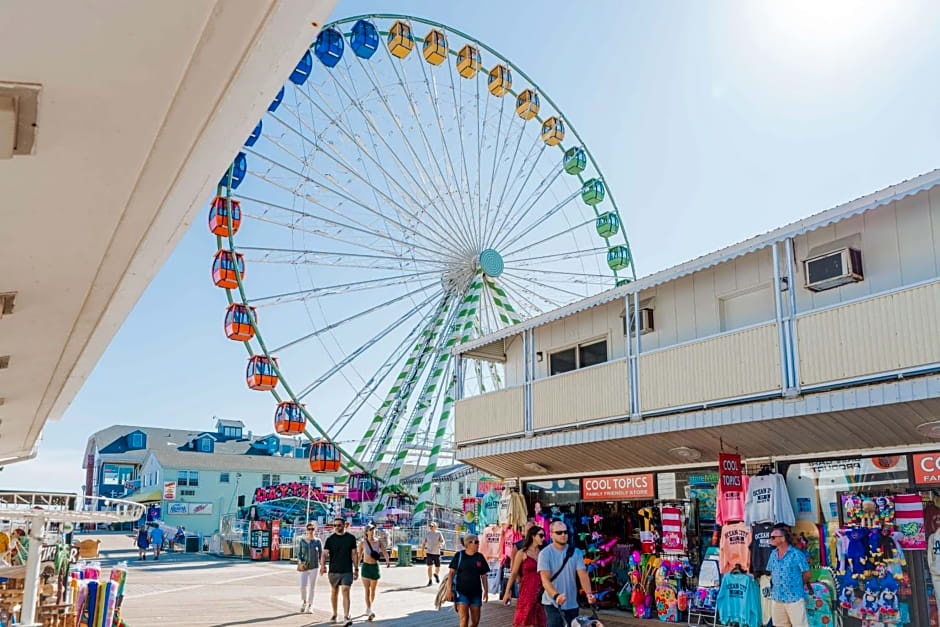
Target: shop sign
x=188, y=509
x=666, y=485
x=336, y=489
x=729, y=470
x=293, y=489
x=48, y=552
x=709, y=479
x=177, y=509
x=275, y=540
x=927, y=468
x=617, y=487
x=132, y=485
x=169, y=490
x=484, y=487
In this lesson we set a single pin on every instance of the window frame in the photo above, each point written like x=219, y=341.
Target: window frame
x=224, y=477
x=576, y=347
x=136, y=441
x=182, y=478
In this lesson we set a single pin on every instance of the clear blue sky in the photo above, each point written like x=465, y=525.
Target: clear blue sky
x=712, y=122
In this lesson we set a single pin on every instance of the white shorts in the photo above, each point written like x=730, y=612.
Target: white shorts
x=787, y=614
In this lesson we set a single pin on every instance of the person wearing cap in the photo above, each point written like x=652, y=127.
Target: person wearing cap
x=371, y=551
x=433, y=545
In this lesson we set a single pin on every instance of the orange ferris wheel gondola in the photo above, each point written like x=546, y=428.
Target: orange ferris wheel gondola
x=324, y=456
x=289, y=418
x=260, y=374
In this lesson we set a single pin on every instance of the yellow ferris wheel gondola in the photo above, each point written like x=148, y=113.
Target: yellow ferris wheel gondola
x=468, y=61
x=435, y=47
x=527, y=104
x=400, y=40
x=553, y=131
x=499, y=81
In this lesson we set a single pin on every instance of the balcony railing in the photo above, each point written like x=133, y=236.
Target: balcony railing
x=489, y=415
x=581, y=396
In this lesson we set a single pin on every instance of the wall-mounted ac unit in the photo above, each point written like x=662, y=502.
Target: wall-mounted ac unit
x=833, y=269
x=646, y=322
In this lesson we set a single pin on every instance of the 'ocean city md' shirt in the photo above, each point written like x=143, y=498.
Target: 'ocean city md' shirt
x=786, y=575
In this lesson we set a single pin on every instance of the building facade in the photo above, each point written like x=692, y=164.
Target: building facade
x=194, y=478
x=810, y=353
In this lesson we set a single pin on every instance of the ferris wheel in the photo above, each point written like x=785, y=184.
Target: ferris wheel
x=408, y=189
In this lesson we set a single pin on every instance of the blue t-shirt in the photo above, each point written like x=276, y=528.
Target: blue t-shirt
x=786, y=575
x=565, y=583
x=156, y=534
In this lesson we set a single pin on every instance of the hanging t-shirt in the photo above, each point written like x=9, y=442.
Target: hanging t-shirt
x=733, y=549
x=933, y=553
x=760, y=547
x=731, y=504
x=768, y=500
x=909, y=516
x=502, y=512
x=510, y=538
x=739, y=600
x=489, y=508
x=491, y=542
x=766, y=603
x=673, y=536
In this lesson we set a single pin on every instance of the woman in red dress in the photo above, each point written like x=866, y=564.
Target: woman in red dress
x=529, y=612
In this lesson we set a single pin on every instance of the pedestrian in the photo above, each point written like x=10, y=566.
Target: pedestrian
x=466, y=581
x=433, y=545
x=156, y=538
x=343, y=559
x=143, y=543
x=180, y=537
x=561, y=566
x=789, y=572
x=529, y=610
x=371, y=551
x=308, y=565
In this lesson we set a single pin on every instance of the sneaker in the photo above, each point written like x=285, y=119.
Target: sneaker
x=348, y=622
x=371, y=616
x=333, y=618
x=303, y=608
x=429, y=582
x=310, y=609
x=436, y=578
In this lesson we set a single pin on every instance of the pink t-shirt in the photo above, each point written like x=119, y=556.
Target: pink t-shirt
x=510, y=537
x=730, y=505
x=491, y=542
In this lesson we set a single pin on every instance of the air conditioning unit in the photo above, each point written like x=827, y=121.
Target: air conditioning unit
x=833, y=269
x=646, y=322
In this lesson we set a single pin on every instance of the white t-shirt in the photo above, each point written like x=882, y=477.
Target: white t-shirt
x=768, y=500
x=933, y=553
x=433, y=542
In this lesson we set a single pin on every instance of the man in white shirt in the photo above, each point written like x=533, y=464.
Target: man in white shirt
x=433, y=545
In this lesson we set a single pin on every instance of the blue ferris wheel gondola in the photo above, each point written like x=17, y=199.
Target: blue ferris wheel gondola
x=329, y=47
x=302, y=72
x=365, y=39
x=277, y=101
x=239, y=168
x=255, y=134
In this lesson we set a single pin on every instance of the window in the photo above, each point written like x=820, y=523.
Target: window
x=223, y=477
x=581, y=356
x=190, y=478
x=109, y=474
x=275, y=479
x=592, y=354
x=303, y=478
x=187, y=493
x=265, y=481
x=205, y=445
x=562, y=361
x=136, y=440
x=193, y=478
x=286, y=449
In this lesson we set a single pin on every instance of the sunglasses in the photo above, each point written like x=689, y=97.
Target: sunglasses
x=560, y=533
x=473, y=542
x=311, y=529
x=540, y=535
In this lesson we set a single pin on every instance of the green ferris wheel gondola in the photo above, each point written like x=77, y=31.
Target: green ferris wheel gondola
x=394, y=211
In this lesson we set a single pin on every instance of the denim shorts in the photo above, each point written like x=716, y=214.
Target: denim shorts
x=474, y=601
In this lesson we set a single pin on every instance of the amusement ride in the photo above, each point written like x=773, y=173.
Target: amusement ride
x=408, y=189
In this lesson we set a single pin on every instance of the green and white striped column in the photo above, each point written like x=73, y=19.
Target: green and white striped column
x=464, y=327
x=504, y=308
x=441, y=357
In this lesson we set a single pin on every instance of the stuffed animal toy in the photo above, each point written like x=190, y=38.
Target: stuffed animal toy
x=870, y=599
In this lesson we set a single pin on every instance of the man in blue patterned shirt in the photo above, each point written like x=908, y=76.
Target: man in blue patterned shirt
x=789, y=572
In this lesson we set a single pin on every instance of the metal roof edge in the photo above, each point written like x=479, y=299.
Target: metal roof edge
x=862, y=204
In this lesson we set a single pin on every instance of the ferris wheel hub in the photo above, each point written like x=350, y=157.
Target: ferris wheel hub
x=491, y=262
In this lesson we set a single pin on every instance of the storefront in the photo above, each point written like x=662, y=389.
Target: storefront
x=666, y=542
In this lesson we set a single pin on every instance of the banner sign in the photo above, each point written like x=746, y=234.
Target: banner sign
x=275, y=540
x=169, y=490
x=927, y=468
x=484, y=487
x=133, y=484
x=336, y=489
x=729, y=470
x=295, y=489
x=617, y=487
x=187, y=509
x=48, y=552
x=177, y=508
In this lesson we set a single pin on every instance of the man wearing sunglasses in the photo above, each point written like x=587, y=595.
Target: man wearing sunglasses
x=561, y=566
x=789, y=573
x=343, y=558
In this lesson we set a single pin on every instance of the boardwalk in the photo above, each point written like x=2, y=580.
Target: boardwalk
x=199, y=590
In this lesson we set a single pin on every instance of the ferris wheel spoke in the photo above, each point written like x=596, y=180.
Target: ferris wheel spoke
x=511, y=218
x=458, y=115
x=406, y=173
x=531, y=227
x=327, y=257
x=419, y=166
x=585, y=275
x=364, y=178
x=347, y=196
x=545, y=285
x=521, y=288
x=497, y=155
x=332, y=223
x=367, y=344
x=356, y=316
x=372, y=385
x=572, y=254
x=522, y=304
x=339, y=288
x=403, y=79
x=502, y=194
